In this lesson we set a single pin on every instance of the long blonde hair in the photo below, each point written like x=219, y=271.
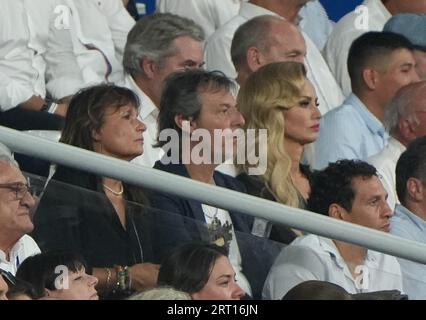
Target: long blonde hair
x=268, y=91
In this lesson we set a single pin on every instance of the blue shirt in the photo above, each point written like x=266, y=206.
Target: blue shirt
x=350, y=131
x=406, y=224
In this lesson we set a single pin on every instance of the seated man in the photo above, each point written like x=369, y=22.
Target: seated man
x=409, y=220
x=16, y=202
x=350, y=191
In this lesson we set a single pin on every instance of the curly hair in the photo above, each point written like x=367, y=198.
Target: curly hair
x=334, y=184
x=268, y=91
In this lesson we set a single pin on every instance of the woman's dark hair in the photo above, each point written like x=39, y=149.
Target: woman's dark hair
x=21, y=287
x=41, y=270
x=188, y=268
x=87, y=109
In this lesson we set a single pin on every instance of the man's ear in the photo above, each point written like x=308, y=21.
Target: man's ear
x=254, y=59
x=371, y=78
x=415, y=189
x=337, y=212
x=186, y=124
x=95, y=135
x=149, y=67
x=407, y=129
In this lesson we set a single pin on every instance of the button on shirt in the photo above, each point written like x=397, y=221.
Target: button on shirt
x=24, y=248
x=385, y=163
x=316, y=258
x=218, y=57
x=350, y=131
x=407, y=225
x=372, y=17
x=23, y=34
x=148, y=114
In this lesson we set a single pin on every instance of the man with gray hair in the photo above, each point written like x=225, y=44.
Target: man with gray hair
x=157, y=46
x=16, y=203
x=405, y=119
x=262, y=40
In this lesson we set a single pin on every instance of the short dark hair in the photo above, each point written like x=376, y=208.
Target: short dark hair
x=334, y=184
x=188, y=268
x=181, y=96
x=87, y=110
x=39, y=270
x=372, y=47
x=411, y=164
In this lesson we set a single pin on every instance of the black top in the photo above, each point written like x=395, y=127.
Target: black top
x=70, y=218
x=256, y=187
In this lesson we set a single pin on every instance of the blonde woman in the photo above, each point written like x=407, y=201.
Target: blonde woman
x=278, y=97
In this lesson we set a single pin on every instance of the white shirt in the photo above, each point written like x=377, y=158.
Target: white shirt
x=23, y=35
x=345, y=32
x=218, y=57
x=24, y=248
x=234, y=252
x=94, y=42
x=313, y=257
x=315, y=23
x=148, y=115
x=385, y=163
x=209, y=14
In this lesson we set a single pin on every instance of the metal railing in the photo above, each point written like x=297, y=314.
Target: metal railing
x=227, y=199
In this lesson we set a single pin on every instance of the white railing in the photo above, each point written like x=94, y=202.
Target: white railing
x=216, y=196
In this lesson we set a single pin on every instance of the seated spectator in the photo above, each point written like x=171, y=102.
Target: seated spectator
x=158, y=45
x=102, y=226
x=350, y=191
x=323, y=290
x=161, y=293
x=21, y=290
x=58, y=275
x=380, y=63
x=201, y=100
x=405, y=121
x=409, y=220
x=412, y=26
x=202, y=270
x=17, y=202
x=278, y=97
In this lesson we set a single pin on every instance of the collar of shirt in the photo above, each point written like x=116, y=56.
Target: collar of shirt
x=378, y=6
x=147, y=107
x=371, y=260
x=395, y=147
x=403, y=213
x=373, y=124
x=12, y=255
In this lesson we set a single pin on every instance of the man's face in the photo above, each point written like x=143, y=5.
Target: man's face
x=420, y=57
x=189, y=55
x=219, y=112
x=400, y=72
x=14, y=212
x=404, y=6
x=418, y=108
x=286, y=44
x=369, y=207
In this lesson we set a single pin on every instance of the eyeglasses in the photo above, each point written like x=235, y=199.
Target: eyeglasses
x=19, y=188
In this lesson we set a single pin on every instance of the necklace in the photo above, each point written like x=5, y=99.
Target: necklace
x=116, y=193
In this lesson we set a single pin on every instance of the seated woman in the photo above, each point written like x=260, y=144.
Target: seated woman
x=202, y=270
x=58, y=275
x=278, y=97
x=112, y=235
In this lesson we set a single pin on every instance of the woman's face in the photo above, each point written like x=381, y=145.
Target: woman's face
x=302, y=121
x=221, y=284
x=77, y=286
x=121, y=134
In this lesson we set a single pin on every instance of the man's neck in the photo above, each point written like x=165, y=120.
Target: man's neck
x=352, y=254
x=6, y=246
x=201, y=172
x=373, y=105
x=147, y=88
x=417, y=208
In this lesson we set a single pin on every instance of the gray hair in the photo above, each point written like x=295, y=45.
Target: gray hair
x=161, y=293
x=152, y=37
x=401, y=107
x=253, y=33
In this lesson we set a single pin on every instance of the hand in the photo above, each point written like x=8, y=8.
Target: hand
x=144, y=275
x=61, y=109
x=33, y=103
